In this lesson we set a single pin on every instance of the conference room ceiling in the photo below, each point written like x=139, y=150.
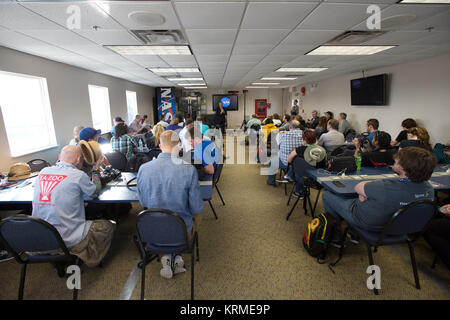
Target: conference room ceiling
x=234, y=43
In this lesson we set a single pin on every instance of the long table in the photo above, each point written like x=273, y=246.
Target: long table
x=114, y=192
x=440, y=179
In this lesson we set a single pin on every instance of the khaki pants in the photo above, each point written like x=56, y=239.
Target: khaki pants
x=93, y=248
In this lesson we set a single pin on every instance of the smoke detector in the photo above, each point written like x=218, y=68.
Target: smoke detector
x=354, y=37
x=160, y=37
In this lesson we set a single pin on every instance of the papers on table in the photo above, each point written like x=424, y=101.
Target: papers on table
x=358, y=177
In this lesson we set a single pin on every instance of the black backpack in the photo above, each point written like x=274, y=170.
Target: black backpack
x=317, y=235
x=136, y=161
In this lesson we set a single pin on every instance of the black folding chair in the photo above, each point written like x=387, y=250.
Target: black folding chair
x=22, y=234
x=161, y=231
x=299, y=166
x=216, y=178
x=154, y=153
x=406, y=225
x=117, y=160
x=37, y=165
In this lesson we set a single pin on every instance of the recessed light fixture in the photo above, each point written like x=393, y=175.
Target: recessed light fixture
x=279, y=78
x=427, y=1
x=191, y=84
x=348, y=50
x=265, y=84
x=151, y=50
x=174, y=70
x=185, y=79
x=196, y=87
x=253, y=87
x=301, y=69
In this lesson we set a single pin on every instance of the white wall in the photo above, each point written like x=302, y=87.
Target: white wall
x=418, y=90
x=273, y=96
x=69, y=99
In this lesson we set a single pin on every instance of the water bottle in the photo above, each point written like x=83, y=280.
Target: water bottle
x=358, y=161
x=141, y=145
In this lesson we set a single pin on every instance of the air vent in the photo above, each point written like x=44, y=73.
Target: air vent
x=354, y=37
x=160, y=37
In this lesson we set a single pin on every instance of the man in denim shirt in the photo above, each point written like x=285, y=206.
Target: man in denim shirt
x=170, y=183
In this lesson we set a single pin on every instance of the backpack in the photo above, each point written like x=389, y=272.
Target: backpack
x=136, y=161
x=439, y=152
x=317, y=235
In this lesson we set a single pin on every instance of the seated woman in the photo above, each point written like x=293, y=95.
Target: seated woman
x=417, y=137
x=75, y=140
x=276, y=119
x=268, y=127
x=381, y=156
x=153, y=141
x=122, y=142
x=321, y=127
x=313, y=154
x=174, y=125
x=403, y=135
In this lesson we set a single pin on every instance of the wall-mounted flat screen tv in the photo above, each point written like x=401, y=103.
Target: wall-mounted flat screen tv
x=369, y=91
x=229, y=101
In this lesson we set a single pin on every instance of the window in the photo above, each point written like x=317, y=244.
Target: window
x=131, y=105
x=27, y=115
x=100, y=110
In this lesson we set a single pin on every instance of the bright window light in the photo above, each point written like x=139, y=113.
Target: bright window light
x=174, y=70
x=427, y=1
x=27, y=114
x=185, y=79
x=265, y=84
x=348, y=50
x=151, y=50
x=132, y=109
x=301, y=69
x=100, y=109
x=278, y=78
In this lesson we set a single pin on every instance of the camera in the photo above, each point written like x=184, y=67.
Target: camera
x=362, y=139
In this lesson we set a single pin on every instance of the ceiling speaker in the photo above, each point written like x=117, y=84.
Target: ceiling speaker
x=147, y=18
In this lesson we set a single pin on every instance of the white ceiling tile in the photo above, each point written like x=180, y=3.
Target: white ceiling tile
x=90, y=14
x=210, y=15
x=121, y=10
x=211, y=36
x=62, y=38
x=211, y=58
x=204, y=49
x=243, y=49
x=180, y=61
x=335, y=16
x=109, y=37
x=316, y=37
x=148, y=61
x=439, y=22
x=275, y=15
x=246, y=58
x=433, y=38
x=298, y=50
x=364, y=1
x=397, y=38
x=261, y=36
x=15, y=17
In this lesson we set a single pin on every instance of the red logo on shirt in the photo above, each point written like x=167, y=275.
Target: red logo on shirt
x=48, y=182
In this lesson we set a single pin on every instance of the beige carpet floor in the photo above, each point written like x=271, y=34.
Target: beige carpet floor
x=250, y=252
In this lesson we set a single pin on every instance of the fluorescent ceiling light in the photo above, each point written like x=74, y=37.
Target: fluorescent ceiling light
x=301, y=69
x=252, y=87
x=185, y=79
x=265, y=84
x=191, y=84
x=151, y=50
x=348, y=50
x=196, y=87
x=174, y=70
x=426, y=1
x=279, y=78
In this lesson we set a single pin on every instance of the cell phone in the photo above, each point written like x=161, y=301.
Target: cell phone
x=338, y=184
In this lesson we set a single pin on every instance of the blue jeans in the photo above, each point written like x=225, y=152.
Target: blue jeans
x=271, y=177
x=339, y=207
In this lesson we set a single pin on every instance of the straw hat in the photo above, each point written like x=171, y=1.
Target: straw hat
x=19, y=171
x=91, y=151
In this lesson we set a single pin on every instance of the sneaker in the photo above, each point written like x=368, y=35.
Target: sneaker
x=166, y=271
x=298, y=195
x=353, y=239
x=284, y=180
x=5, y=256
x=336, y=244
x=178, y=265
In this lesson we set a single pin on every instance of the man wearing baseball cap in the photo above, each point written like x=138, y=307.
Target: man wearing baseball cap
x=90, y=134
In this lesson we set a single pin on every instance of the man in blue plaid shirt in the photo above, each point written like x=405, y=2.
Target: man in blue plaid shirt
x=287, y=142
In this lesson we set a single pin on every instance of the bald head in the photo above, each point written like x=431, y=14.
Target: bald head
x=72, y=155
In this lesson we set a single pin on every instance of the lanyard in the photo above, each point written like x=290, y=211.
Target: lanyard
x=404, y=179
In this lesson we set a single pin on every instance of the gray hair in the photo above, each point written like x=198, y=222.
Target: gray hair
x=294, y=124
x=343, y=115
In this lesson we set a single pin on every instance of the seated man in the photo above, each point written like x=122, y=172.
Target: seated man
x=253, y=122
x=381, y=156
x=314, y=121
x=90, y=134
x=167, y=184
x=205, y=155
x=372, y=128
x=378, y=199
x=58, y=199
x=437, y=234
x=286, y=122
x=333, y=138
x=344, y=125
x=287, y=141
